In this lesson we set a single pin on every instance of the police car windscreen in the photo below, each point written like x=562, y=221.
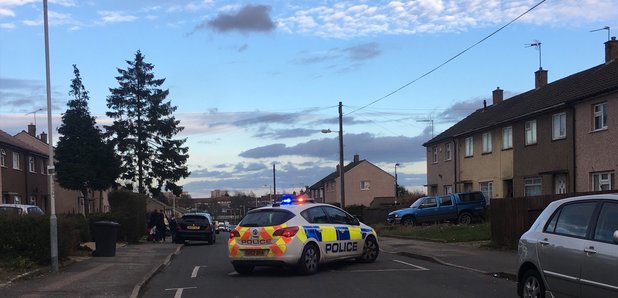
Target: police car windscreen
x=266, y=218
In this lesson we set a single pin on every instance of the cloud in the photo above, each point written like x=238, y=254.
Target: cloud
x=363, y=51
x=250, y=18
x=285, y=133
x=5, y=12
x=359, y=52
x=24, y=96
x=289, y=178
x=339, y=19
x=110, y=17
x=374, y=148
x=8, y=26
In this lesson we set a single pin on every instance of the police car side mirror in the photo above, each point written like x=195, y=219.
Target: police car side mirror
x=355, y=221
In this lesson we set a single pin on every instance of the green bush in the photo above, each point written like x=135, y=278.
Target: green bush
x=27, y=238
x=128, y=209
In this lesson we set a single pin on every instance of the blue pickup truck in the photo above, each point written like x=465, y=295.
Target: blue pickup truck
x=460, y=207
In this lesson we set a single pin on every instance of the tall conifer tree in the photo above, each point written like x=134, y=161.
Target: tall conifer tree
x=83, y=160
x=143, y=130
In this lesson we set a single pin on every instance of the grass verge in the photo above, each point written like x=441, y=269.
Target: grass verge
x=440, y=232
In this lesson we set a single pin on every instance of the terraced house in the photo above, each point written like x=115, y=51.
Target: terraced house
x=559, y=137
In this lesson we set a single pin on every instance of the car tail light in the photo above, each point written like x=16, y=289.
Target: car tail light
x=178, y=227
x=234, y=233
x=286, y=232
x=208, y=228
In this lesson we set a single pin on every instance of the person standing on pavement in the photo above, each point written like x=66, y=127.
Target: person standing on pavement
x=152, y=224
x=161, y=226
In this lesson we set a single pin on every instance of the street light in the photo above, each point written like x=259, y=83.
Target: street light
x=396, y=185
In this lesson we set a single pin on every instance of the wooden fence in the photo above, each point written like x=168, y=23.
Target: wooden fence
x=510, y=218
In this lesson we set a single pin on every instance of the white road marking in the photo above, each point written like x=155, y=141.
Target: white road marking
x=195, y=269
x=179, y=291
x=415, y=266
x=383, y=270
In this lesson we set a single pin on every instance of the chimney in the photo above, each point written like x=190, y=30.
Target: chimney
x=611, y=50
x=32, y=130
x=356, y=158
x=540, y=78
x=498, y=95
x=43, y=137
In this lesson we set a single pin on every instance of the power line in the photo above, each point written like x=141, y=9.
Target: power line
x=449, y=60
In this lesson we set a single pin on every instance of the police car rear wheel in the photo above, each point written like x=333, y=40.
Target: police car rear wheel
x=308, y=263
x=243, y=269
x=370, y=251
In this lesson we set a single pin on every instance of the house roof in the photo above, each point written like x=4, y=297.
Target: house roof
x=597, y=81
x=335, y=174
x=15, y=142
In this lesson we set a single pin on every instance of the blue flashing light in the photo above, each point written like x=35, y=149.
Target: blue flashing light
x=290, y=199
x=287, y=200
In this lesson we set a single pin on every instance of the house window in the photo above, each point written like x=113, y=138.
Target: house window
x=487, y=142
x=365, y=185
x=531, y=132
x=16, y=161
x=602, y=181
x=559, y=126
x=31, y=164
x=43, y=167
x=2, y=158
x=600, y=116
x=507, y=137
x=449, y=152
x=448, y=189
x=487, y=188
x=467, y=187
x=435, y=154
x=532, y=187
x=469, y=146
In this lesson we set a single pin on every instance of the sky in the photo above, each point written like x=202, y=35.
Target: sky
x=254, y=82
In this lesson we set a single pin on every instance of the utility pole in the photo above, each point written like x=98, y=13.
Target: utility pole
x=274, y=183
x=53, y=220
x=341, y=170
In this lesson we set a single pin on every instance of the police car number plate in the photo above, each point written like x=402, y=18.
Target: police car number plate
x=255, y=252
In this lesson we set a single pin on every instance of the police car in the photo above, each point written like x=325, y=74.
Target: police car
x=300, y=233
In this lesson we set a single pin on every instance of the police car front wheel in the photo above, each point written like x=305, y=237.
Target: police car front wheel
x=308, y=263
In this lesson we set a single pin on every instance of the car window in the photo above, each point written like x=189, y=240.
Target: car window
x=429, y=202
x=471, y=197
x=196, y=219
x=6, y=210
x=266, y=218
x=315, y=215
x=446, y=201
x=35, y=210
x=337, y=216
x=607, y=223
x=574, y=219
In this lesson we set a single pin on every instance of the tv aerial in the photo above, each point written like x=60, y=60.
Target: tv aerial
x=604, y=28
x=34, y=112
x=537, y=45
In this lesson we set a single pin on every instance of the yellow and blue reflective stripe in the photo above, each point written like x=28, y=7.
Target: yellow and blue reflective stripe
x=332, y=233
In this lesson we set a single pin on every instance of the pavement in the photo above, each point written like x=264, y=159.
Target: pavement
x=124, y=274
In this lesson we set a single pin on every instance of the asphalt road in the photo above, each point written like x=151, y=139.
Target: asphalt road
x=202, y=270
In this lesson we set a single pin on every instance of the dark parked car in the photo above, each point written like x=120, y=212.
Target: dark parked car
x=196, y=227
x=571, y=250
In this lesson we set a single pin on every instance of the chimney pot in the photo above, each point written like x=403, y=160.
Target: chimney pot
x=498, y=96
x=32, y=130
x=540, y=78
x=611, y=50
x=44, y=137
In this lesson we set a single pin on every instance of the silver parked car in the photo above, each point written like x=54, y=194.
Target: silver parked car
x=571, y=250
